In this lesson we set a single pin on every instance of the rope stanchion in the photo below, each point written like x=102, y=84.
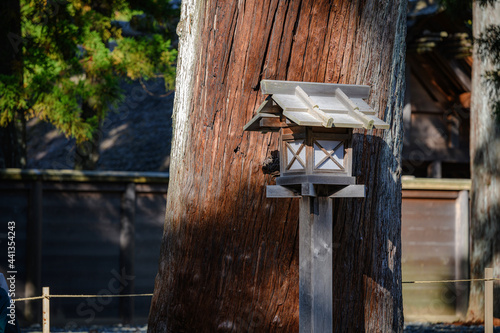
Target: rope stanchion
x=488, y=300
x=46, y=310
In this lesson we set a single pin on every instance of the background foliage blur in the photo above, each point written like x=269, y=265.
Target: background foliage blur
x=63, y=60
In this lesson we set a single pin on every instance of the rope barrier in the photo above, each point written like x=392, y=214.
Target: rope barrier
x=140, y=295
x=76, y=296
x=488, y=292
x=447, y=281
x=102, y=295
x=28, y=298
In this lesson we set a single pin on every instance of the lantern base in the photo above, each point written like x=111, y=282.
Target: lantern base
x=315, y=180
x=308, y=190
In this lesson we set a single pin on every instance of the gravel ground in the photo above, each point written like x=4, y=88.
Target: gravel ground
x=90, y=329
x=444, y=328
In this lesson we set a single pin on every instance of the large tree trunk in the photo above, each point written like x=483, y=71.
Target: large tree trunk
x=229, y=258
x=13, y=136
x=485, y=172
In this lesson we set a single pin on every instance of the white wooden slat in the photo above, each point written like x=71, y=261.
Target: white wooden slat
x=363, y=106
x=305, y=98
x=378, y=123
x=313, y=88
x=278, y=191
x=254, y=124
x=329, y=104
x=367, y=122
x=350, y=191
x=313, y=107
x=354, y=109
x=266, y=109
x=290, y=102
x=345, y=120
x=268, y=106
x=303, y=118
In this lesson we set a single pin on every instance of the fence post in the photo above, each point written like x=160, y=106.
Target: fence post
x=46, y=309
x=127, y=250
x=488, y=301
x=34, y=249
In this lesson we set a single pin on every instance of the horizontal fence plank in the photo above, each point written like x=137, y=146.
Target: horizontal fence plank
x=15, y=185
x=411, y=183
x=428, y=194
x=83, y=187
x=84, y=176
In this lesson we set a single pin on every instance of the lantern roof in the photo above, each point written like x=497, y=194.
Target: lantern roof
x=314, y=104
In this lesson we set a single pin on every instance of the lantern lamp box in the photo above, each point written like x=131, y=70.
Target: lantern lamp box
x=315, y=122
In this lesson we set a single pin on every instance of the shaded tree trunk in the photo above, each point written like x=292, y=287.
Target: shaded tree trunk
x=13, y=136
x=87, y=152
x=229, y=257
x=485, y=172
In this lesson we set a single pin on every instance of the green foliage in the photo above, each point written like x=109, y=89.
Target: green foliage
x=74, y=53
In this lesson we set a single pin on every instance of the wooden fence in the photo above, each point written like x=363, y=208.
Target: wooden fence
x=435, y=246
x=100, y=232
x=84, y=232
x=487, y=280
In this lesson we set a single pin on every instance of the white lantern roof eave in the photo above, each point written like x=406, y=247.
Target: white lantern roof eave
x=314, y=104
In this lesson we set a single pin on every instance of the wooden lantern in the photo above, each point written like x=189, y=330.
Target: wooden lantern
x=315, y=122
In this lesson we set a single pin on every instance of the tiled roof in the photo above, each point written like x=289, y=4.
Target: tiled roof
x=134, y=138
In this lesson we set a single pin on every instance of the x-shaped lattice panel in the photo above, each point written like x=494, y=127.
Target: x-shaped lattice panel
x=330, y=155
x=294, y=155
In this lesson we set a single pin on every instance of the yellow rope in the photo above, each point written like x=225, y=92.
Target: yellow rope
x=446, y=281
x=28, y=298
x=103, y=295
x=138, y=295
x=78, y=296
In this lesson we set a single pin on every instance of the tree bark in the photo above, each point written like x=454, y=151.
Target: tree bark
x=229, y=257
x=485, y=173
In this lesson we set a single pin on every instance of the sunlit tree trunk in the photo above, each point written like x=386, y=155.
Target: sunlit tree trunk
x=229, y=257
x=485, y=172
